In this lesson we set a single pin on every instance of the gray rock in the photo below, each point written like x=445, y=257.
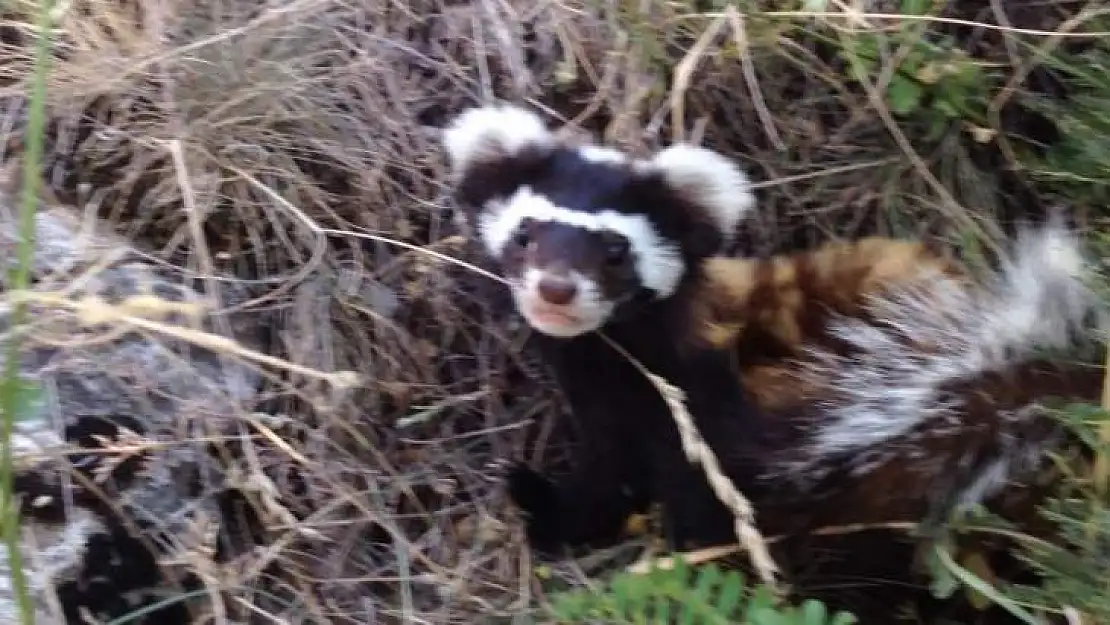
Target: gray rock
x=101, y=366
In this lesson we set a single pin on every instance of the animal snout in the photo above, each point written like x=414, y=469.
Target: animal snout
x=556, y=290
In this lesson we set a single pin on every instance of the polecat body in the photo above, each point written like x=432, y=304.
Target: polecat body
x=909, y=385
x=919, y=387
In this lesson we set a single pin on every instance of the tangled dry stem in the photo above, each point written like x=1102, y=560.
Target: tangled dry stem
x=699, y=452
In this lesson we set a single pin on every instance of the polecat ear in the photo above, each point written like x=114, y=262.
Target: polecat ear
x=490, y=133
x=708, y=179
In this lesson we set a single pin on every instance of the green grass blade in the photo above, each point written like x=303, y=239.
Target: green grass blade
x=19, y=280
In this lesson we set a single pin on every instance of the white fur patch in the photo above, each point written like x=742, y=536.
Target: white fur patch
x=713, y=180
x=492, y=131
x=658, y=262
x=889, y=393
x=588, y=309
x=706, y=177
x=601, y=154
x=988, y=482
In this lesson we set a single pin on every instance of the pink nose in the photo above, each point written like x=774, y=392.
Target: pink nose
x=558, y=291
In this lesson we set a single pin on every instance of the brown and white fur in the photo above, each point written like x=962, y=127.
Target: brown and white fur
x=898, y=367
x=942, y=384
x=768, y=311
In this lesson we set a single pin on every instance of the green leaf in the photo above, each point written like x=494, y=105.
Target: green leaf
x=626, y=592
x=767, y=616
x=732, y=590
x=861, y=54
x=937, y=127
x=706, y=581
x=944, y=584
x=904, y=94
x=761, y=600
x=813, y=612
x=915, y=7
x=662, y=609
x=971, y=580
x=947, y=108
x=618, y=591
x=844, y=618
x=27, y=396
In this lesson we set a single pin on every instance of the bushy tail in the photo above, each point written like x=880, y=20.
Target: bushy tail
x=943, y=382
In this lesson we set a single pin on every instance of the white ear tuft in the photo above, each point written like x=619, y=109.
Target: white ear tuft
x=710, y=179
x=492, y=131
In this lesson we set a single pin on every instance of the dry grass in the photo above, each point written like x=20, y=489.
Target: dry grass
x=295, y=148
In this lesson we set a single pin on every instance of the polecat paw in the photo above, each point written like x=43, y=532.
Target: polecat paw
x=536, y=496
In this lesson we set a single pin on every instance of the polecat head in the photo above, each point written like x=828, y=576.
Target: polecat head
x=584, y=232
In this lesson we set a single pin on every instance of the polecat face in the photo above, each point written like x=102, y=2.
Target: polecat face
x=574, y=243
x=582, y=232
x=568, y=275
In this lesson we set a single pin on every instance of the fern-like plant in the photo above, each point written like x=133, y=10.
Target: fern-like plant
x=686, y=595
x=1077, y=165
x=1075, y=567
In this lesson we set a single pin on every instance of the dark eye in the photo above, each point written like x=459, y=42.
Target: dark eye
x=616, y=251
x=522, y=235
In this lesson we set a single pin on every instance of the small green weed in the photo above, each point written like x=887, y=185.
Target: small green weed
x=1072, y=566
x=1075, y=567
x=1078, y=165
x=932, y=79
x=15, y=392
x=687, y=595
